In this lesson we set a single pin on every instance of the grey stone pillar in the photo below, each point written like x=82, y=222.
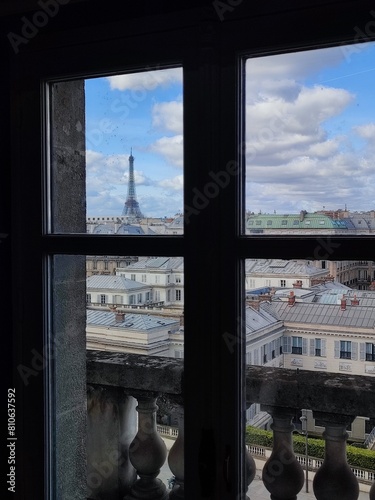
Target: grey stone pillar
x=250, y=469
x=176, y=459
x=335, y=480
x=282, y=474
x=147, y=452
x=111, y=426
x=372, y=492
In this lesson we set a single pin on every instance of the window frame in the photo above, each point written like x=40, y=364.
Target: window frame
x=208, y=59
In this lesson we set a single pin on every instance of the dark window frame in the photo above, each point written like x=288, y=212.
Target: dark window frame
x=215, y=44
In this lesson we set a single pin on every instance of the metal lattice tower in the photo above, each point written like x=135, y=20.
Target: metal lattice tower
x=131, y=207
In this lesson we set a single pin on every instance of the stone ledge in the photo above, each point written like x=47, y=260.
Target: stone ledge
x=136, y=372
x=333, y=393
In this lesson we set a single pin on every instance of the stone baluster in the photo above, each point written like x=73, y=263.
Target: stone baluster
x=176, y=459
x=372, y=492
x=250, y=469
x=147, y=452
x=335, y=480
x=282, y=474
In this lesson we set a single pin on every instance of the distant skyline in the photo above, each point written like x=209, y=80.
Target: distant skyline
x=310, y=135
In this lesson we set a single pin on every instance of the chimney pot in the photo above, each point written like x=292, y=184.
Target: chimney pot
x=355, y=301
x=343, y=303
x=119, y=317
x=291, y=299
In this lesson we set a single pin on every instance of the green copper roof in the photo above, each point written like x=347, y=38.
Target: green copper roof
x=293, y=221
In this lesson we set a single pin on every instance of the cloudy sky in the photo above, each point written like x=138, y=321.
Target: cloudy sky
x=310, y=138
x=310, y=135
x=141, y=112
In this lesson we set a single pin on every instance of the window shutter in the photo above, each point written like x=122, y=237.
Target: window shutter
x=269, y=351
x=98, y=299
x=337, y=348
x=323, y=352
x=256, y=357
x=362, y=351
x=312, y=347
x=304, y=346
x=287, y=345
x=354, y=350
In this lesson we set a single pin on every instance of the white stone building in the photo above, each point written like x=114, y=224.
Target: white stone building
x=134, y=333
x=165, y=275
x=276, y=273
x=117, y=290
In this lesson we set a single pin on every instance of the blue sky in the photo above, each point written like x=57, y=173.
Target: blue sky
x=141, y=112
x=319, y=150
x=310, y=134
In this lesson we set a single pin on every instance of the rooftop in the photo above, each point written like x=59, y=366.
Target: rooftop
x=297, y=268
x=326, y=314
x=141, y=322
x=104, y=282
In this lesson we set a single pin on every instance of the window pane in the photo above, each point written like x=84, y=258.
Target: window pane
x=106, y=321
x=119, y=140
x=320, y=321
x=310, y=133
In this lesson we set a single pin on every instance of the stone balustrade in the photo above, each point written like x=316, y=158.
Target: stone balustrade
x=335, y=399
x=125, y=451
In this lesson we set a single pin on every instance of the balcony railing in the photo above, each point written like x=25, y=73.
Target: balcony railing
x=126, y=452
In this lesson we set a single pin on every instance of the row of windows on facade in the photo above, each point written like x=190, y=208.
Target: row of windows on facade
x=343, y=349
x=284, y=222
x=133, y=277
x=134, y=298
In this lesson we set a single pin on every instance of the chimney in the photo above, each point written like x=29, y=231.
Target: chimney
x=254, y=303
x=291, y=299
x=343, y=303
x=355, y=301
x=119, y=317
x=297, y=284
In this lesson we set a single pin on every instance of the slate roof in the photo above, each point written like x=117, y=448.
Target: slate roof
x=113, y=283
x=255, y=320
x=277, y=266
x=326, y=314
x=158, y=263
x=294, y=221
x=131, y=321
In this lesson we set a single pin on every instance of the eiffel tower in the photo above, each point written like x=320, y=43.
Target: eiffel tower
x=131, y=207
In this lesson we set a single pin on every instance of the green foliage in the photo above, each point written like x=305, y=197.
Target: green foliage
x=357, y=457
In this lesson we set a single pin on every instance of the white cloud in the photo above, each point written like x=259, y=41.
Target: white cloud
x=106, y=173
x=175, y=184
x=171, y=148
x=146, y=80
x=168, y=116
x=366, y=131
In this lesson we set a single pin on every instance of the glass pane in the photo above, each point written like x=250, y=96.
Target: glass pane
x=310, y=133
x=309, y=327
x=117, y=151
x=110, y=314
